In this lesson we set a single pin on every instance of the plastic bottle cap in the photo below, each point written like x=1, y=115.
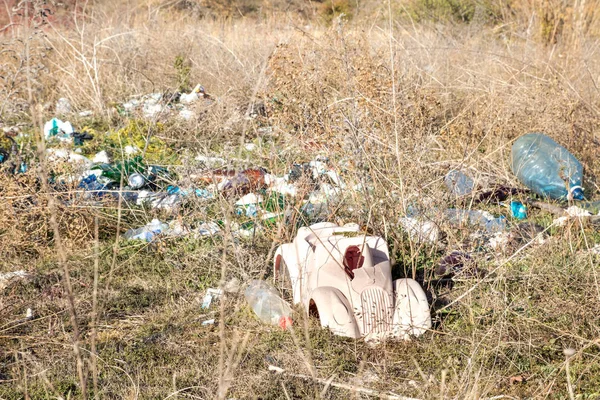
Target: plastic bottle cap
x=576, y=192
x=285, y=322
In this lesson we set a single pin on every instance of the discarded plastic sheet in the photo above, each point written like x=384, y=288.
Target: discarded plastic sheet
x=155, y=105
x=187, y=115
x=572, y=212
x=131, y=150
x=131, y=105
x=280, y=185
x=101, y=158
x=208, y=322
x=247, y=230
x=6, y=277
x=154, y=228
x=420, y=231
x=346, y=275
x=250, y=210
x=575, y=211
x=188, y=98
x=499, y=240
x=200, y=193
x=546, y=167
x=211, y=294
x=58, y=129
x=65, y=156
x=209, y=229
x=315, y=170
x=248, y=199
x=232, y=286
x=152, y=107
x=177, y=229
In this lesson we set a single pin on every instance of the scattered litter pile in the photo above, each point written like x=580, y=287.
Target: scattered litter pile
x=338, y=272
x=547, y=169
x=157, y=105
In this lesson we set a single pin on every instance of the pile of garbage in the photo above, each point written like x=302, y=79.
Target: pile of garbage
x=263, y=200
x=546, y=168
x=156, y=105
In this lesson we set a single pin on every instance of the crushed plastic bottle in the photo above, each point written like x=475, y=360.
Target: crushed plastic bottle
x=268, y=306
x=458, y=183
x=159, y=200
x=147, y=232
x=203, y=194
x=482, y=219
x=546, y=167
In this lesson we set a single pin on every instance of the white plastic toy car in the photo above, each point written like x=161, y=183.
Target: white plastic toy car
x=344, y=277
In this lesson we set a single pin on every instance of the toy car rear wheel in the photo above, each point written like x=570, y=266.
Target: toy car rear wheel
x=281, y=276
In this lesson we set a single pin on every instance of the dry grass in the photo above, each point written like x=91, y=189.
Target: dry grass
x=394, y=106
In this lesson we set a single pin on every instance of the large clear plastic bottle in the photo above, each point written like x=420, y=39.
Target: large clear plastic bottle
x=268, y=306
x=546, y=167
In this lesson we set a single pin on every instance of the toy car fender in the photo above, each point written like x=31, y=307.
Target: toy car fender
x=411, y=315
x=334, y=311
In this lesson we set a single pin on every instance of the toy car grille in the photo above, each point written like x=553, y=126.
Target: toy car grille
x=376, y=306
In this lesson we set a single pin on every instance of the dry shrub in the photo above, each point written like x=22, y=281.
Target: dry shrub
x=24, y=218
x=549, y=21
